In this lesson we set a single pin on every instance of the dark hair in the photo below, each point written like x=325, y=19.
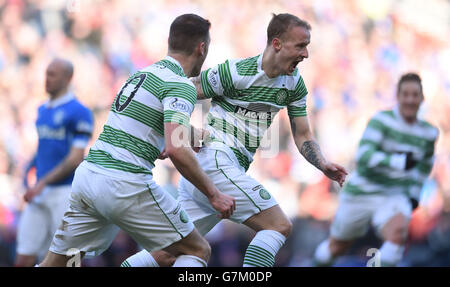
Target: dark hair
x=409, y=77
x=280, y=24
x=186, y=31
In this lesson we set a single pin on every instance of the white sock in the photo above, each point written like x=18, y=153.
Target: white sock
x=140, y=259
x=189, y=261
x=391, y=253
x=322, y=256
x=263, y=248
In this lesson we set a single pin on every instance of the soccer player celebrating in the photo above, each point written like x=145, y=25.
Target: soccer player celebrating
x=245, y=96
x=64, y=127
x=394, y=158
x=114, y=188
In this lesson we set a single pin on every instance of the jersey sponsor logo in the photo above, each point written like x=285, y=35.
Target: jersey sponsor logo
x=281, y=97
x=175, y=211
x=179, y=105
x=212, y=77
x=159, y=66
x=252, y=114
x=257, y=187
x=46, y=132
x=264, y=194
x=184, y=217
x=58, y=117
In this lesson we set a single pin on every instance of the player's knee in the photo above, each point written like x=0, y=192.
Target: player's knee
x=206, y=251
x=396, y=229
x=285, y=228
x=202, y=249
x=398, y=235
x=338, y=248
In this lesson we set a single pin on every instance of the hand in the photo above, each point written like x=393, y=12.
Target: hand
x=410, y=161
x=223, y=203
x=335, y=172
x=34, y=191
x=163, y=154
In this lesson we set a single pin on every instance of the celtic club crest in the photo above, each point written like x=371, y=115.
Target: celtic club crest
x=281, y=97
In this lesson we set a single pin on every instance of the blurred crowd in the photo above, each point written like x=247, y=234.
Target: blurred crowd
x=358, y=51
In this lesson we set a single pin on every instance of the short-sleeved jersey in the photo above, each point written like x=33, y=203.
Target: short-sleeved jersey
x=133, y=136
x=245, y=101
x=61, y=124
x=386, y=138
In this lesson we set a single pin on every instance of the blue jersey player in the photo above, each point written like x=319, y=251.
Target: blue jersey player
x=64, y=128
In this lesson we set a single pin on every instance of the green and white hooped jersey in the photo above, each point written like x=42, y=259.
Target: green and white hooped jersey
x=133, y=136
x=381, y=156
x=245, y=101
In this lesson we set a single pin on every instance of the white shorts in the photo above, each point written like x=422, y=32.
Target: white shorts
x=101, y=204
x=230, y=178
x=40, y=219
x=356, y=212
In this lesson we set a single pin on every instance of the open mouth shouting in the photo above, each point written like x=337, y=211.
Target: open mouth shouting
x=294, y=65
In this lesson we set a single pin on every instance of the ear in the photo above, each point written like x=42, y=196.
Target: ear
x=276, y=44
x=201, y=48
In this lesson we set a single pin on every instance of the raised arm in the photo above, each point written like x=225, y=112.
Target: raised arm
x=310, y=150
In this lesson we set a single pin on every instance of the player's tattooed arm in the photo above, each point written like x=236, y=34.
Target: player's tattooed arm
x=198, y=87
x=311, y=151
x=306, y=145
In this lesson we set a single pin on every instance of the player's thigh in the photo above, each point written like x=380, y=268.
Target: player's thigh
x=250, y=196
x=352, y=218
x=392, y=217
x=82, y=227
x=153, y=218
x=33, y=230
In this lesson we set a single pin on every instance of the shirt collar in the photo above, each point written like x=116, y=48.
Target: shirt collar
x=259, y=62
x=175, y=61
x=60, y=101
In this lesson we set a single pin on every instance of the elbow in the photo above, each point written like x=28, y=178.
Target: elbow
x=173, y=153
x=79, y=160
x=74, y=161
